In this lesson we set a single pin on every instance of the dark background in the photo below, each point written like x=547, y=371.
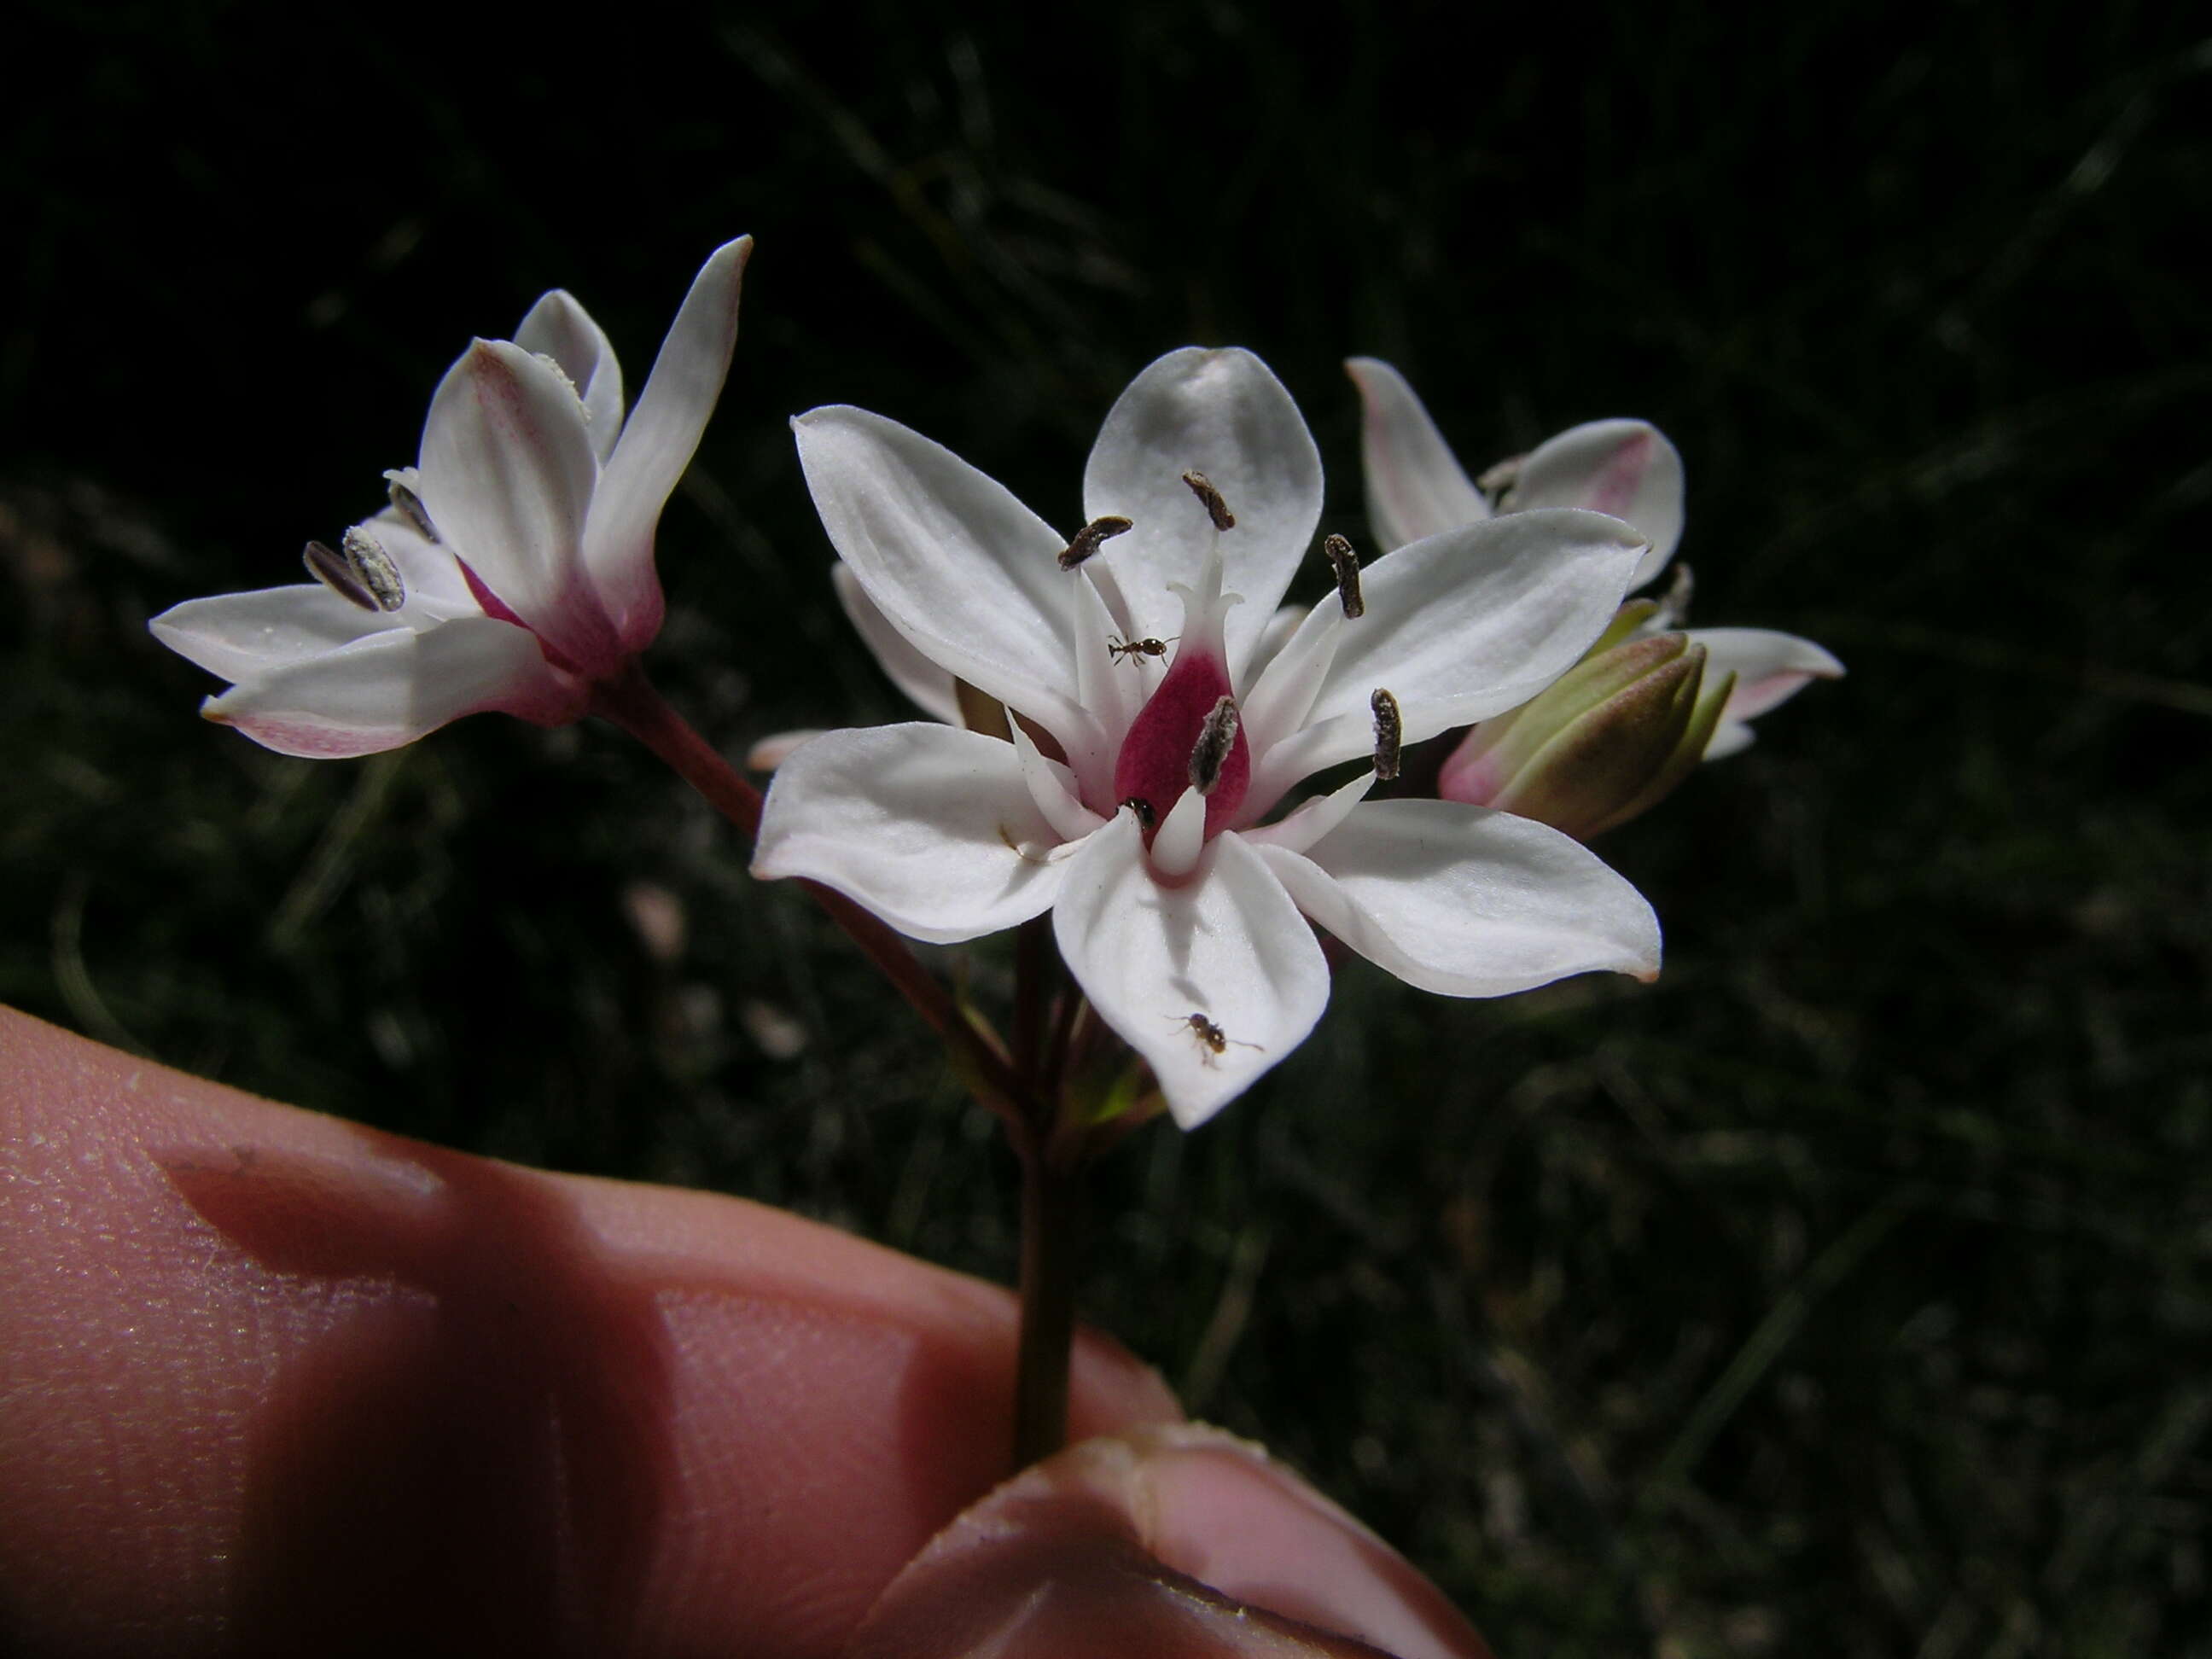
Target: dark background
x=1846, y=1291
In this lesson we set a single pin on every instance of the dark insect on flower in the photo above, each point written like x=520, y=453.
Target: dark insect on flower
x=1123, y=650
x=1210, y=1036
x=1085, y=541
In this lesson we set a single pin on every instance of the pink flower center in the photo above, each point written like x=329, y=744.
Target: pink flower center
x=1154, y=764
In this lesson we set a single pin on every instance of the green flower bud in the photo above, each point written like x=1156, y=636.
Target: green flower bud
x=1607, y=739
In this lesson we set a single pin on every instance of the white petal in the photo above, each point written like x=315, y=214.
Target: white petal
x=1052, y=788
x=1229, y=946
x=238, y=635
x=1181, y=842
x=928, y=687
x=1458, y=627
x=1314, y=818
x=770, y=752
x=1729, y=738
x=506, y=476
x=1224, y=414
x=968, y=574
x=1625, y=469
x=657, y=444
x=1272, y=638
x=1415, y=486
x=559, y=328
x=930, y=827
x=1769, y=668
x=1468, y=902
x=394, y=686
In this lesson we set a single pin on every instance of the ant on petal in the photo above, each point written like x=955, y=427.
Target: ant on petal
x=1210, y=1037
x=1123, y=650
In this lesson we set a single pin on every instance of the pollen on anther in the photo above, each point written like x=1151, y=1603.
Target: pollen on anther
x=373, y=568
x=1210, y=753
x=1209, y=498
x=1085, y=541
x=1388, y=730
x=1346, y=564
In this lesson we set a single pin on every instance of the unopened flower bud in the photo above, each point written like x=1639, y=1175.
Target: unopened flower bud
x=1607, y=739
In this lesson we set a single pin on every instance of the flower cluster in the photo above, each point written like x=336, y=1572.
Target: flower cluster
x=1615, y=740
x=1130, y=722
x=513, y=568
x=1159, y=725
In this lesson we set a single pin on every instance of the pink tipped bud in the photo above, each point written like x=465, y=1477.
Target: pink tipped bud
x=1608, y=740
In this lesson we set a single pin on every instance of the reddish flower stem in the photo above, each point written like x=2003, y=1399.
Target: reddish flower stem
x=631, y=703
x=1025, y=1091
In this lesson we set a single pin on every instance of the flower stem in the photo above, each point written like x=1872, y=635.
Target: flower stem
x=631, y=703
x=1052, y=1225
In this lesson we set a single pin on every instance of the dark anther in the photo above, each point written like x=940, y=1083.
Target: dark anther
x=1345, y=562
x=1210, y=753
x=373, y=568
x=1146, y=817
x=1086, y=540
x=1216, y=508
x=411, y=509
x=333, y=573
x=1388, y=729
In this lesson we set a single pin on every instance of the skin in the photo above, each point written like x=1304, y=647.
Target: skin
x=270, y=1383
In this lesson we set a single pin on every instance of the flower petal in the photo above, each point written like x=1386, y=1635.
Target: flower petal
x=965, y=572
x=506, y=476
x=1224, y=414
x=1769, y=668
x=238, y=635
x=392, y=687
x=1625, y=469
x=1228, y=946
x=657, y=442
x=931, y=828
x=1052, y=788
x=928, y=687
x=1458, y=627
x=1415, y=486
x=559, y=328
x=1467, y=902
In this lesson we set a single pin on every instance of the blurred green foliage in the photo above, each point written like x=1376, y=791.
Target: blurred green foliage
x=1849, y=1290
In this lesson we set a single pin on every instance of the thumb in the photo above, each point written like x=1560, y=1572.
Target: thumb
x=1179, y=1541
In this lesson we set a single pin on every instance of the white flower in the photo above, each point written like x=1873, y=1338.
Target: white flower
x=1416, y=487
x=1177, y=903
x=513, y=569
